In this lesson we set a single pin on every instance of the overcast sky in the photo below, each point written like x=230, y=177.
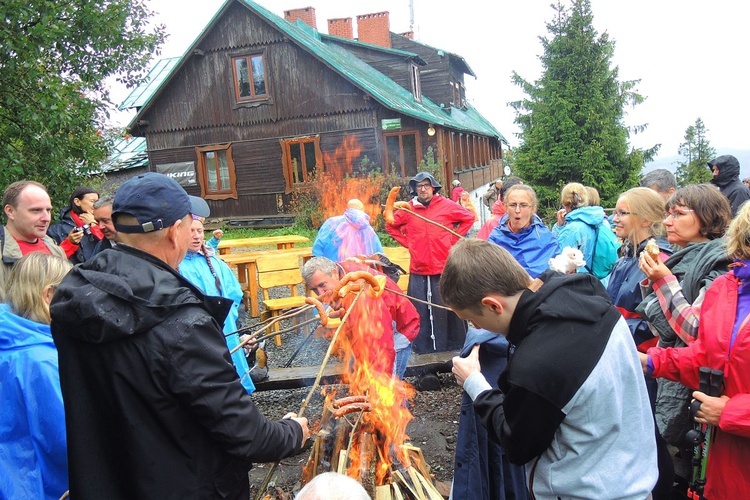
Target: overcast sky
x=687, y=54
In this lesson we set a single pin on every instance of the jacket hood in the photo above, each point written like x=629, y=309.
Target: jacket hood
x=104, y=300
x=729, y=170
x=592, y=216
x=577, y=297
x=357, y=218
x=17, y=331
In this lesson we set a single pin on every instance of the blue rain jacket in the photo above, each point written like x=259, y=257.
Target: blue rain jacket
x=33, y=449
x=533, y=247
x=194, y=268
x=579, y=231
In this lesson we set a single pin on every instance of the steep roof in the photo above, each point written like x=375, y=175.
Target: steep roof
x=127, y=152
x=150, y=84
x=363, y=76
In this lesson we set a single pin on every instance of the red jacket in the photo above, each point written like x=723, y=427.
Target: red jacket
x=428, y=244
x=374, y=319
x=728, y=475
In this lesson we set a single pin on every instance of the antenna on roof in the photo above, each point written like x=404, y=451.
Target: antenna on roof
x=411, y=15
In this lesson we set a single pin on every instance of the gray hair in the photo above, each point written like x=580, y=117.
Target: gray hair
x=106, y=201
x=661, y=178
x=322, y=264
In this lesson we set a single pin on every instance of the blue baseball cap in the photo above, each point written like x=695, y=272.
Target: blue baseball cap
x=156, y=201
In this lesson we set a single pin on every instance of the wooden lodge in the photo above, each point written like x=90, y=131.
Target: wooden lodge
x=257, y=103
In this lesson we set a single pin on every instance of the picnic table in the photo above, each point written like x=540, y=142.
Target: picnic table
x=247, y=271
x=281, y=242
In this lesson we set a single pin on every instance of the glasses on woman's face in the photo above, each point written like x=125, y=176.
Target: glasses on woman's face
x=676, y=214
x=622, y=213
x=519, y=206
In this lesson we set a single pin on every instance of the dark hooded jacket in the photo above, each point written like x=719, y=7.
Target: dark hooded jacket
x=728, y=181
x=89, y=245
x=153, y=405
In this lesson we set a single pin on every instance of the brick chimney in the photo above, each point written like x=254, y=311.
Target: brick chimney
x=375, y=29
x=342, y=27
x=306, y=14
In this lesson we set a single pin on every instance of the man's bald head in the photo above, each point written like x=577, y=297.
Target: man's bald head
x=355, y=203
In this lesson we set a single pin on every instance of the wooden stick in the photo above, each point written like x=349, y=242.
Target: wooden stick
x=271, y=335
x=431, y=222
x=402, y=294
x=313, y=389
x=250, y=338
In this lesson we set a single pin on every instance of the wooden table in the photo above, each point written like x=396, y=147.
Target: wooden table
x=247, y=272
x=281, y=242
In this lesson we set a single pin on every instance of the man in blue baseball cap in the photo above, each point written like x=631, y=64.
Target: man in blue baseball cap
x=154, y=407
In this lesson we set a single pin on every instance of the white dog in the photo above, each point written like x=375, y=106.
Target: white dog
x=568, y=261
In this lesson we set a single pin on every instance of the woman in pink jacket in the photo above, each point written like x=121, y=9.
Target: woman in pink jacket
x=723, y=343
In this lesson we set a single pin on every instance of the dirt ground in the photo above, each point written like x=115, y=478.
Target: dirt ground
x=433, y=429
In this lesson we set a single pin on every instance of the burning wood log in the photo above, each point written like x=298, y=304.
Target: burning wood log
x=368, y=460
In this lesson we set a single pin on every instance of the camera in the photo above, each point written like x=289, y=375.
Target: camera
x=86, y=228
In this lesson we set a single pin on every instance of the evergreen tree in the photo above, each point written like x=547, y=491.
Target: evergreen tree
x=571, y=120
x=697, y=152
x=54, y=66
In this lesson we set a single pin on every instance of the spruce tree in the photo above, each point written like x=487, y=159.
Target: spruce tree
x=571, y=120
x=697, y=152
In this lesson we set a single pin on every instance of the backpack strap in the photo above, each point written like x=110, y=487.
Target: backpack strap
x=593, y=251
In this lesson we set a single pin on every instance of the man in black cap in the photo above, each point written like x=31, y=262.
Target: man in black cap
x=726, y=170
x=153, y=405
x=440, y=329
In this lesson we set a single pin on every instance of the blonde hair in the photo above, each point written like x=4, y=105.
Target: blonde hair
x=27, y=281
x=738, y=234
x=645, y=204
x=594, y=198
x=574, y=195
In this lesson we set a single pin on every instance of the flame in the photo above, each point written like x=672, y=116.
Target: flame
x=337, y=186
x=367, y=343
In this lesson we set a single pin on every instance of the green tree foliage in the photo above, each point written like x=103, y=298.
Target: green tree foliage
x=697, y=152
x=54, y=64
x=571, y=120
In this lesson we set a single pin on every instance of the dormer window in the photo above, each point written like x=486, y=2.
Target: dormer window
x=458, y=100
x=416, y=86
x=249, y=77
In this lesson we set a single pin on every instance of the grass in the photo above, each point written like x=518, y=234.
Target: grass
x=234, y=233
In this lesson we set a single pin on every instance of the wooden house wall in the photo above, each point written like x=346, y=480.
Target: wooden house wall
x=201, y=94
x=435, y=77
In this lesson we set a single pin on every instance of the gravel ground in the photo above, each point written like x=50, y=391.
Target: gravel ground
x=433, y=429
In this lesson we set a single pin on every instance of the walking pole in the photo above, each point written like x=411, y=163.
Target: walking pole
x=696, y=435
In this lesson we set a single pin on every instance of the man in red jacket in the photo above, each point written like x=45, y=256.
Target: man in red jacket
x=388, y=312
x=440, y=329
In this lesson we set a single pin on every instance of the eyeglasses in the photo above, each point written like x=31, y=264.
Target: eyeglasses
x=519, y=206
x=676, y=214
x=622, y=213
x=422, y=187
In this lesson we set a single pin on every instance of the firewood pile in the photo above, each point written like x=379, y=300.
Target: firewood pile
x=347, y=445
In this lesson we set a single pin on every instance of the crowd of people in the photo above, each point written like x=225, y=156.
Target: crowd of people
x=117, y=322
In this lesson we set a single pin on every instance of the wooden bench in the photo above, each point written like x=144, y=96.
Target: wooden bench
x=247, y=273
x=400, y=256
x=281, y=242
x=276, y=271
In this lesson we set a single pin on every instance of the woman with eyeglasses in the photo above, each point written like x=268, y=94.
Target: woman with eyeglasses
x=522, y=233
x=638, y=217
x=723, y=343
x=697, y=217
x=32, y=417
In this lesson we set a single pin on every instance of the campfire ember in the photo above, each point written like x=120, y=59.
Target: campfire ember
x=363, y=435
